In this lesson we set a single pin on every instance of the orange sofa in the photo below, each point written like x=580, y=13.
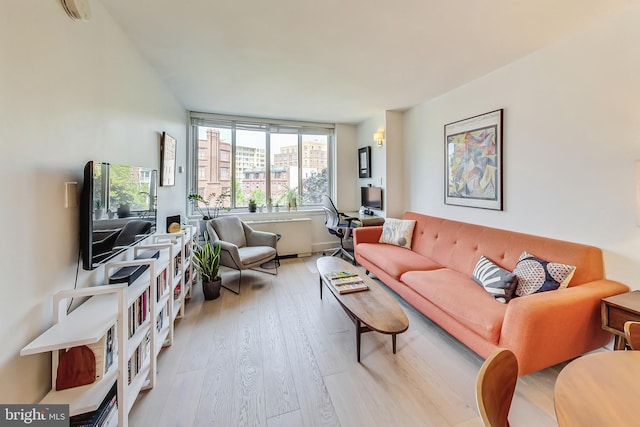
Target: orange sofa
x=542, y=329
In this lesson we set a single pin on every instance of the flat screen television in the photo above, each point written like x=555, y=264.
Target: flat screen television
x=117, y=210
x=371, y=197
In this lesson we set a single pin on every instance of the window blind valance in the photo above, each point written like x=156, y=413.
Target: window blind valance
x=259, y=124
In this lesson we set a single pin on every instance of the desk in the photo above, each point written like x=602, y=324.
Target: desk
x=617, y=310
x=599, y=389
x=364, y=220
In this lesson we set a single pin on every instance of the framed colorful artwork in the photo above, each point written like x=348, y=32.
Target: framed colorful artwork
x=473, y=161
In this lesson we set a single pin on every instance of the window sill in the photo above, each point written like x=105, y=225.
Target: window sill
x=283, y=214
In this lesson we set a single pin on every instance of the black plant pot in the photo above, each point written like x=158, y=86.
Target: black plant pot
x=211, y=290
x=124, y=211
x=253, y=207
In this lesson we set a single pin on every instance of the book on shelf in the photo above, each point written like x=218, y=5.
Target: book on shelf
x=340, y=274
x=103, y=350
x=100, y=417
x=347, y=288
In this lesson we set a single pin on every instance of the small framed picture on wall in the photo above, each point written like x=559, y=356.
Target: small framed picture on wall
x=364, y=162
x=167, y=160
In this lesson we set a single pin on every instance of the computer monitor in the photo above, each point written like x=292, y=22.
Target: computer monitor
x=371, y=197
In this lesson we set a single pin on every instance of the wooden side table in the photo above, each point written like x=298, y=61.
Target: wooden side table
x=617, y=310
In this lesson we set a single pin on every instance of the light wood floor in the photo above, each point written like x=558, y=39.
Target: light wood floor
x=277, y=355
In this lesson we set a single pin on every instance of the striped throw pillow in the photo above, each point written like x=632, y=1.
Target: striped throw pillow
x=500, y=283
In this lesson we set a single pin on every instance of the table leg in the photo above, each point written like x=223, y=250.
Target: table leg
x=393, y=340
x=321, y=288
x=358, y=335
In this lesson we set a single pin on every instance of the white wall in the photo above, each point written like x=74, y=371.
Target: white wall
x=346, y=160
x=571, y=135
x=387, y=162
x=396, y=172
x=379, y=171
x=71, y=92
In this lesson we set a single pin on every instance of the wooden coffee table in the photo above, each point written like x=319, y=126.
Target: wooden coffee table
x=370, y=310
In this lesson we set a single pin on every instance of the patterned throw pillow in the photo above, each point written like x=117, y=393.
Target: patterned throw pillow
x=537, y=275
x=398, y=232
x=500, y=283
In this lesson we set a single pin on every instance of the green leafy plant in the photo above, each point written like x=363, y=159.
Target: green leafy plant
x=206, y=261
x=290, y=198
x=206, y=211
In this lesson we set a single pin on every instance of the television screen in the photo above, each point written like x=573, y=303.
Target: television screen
x=371, y=197
x=117, y=209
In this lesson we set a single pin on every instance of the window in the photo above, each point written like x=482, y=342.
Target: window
x=262, y=156
x=224, y=174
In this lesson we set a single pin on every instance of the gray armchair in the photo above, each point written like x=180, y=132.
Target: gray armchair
x=242, y=247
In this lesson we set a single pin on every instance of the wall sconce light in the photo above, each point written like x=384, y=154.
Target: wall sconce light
x=378, y=137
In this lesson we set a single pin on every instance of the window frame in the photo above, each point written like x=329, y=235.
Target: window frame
x=269, y=126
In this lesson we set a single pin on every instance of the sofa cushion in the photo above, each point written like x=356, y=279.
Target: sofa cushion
x=461, y=298
x=395, y=260
x=537, y=275
x=397, y=232
x=500, y=283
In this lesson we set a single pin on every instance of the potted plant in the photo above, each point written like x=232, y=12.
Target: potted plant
x=98, y=212
x=206, y=261
x=124, y=210
x=206, y=210
x=291, y=197
x=269, y=204
x=252, y=205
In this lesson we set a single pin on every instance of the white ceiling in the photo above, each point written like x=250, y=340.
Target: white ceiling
x=338, y=60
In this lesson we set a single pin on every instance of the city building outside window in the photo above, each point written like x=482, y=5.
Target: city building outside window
x=262, y=157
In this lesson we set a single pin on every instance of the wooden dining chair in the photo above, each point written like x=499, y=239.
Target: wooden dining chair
x=632, y=334
x=495, y=386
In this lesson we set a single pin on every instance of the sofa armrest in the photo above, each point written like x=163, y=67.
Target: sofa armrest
x=550, y=327
x=366, y=234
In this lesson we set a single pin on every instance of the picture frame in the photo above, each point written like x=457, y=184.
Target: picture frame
x=168, y=146
x=473, y=161
x=364, y=162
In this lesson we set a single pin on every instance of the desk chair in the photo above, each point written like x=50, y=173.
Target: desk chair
x=339, y=225
x=632, y=334
x=241, y=246
x=495, y=386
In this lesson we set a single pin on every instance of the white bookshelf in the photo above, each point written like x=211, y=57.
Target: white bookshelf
x=146, y=303
x=182, y=267
x=85, y=325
